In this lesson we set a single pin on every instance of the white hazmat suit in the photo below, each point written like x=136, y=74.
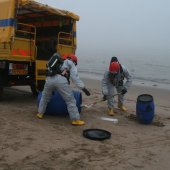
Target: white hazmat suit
x=60, y=83
x=109, y=88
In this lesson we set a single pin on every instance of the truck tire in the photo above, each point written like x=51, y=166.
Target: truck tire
x=34, y=90
x=1, y=91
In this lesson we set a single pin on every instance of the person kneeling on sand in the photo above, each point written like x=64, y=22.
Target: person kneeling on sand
x=113, y=81
x=57, y=79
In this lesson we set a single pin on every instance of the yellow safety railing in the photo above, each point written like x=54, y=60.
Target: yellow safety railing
x=65, y=38
x=26, y=30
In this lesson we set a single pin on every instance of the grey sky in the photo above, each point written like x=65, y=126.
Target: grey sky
x=129, y=28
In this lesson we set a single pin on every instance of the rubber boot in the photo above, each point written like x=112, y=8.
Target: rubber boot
x=122, y=108
x=40, y=115
x=111, y=112
x=77, y=122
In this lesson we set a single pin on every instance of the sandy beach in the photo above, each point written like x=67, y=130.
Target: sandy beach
x=27, y=143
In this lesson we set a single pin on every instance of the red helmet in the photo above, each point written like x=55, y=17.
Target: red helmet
x=65, y=56
x=73, y=58
x=114, y=67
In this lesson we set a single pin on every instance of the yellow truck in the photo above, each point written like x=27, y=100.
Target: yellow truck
x=30, y=32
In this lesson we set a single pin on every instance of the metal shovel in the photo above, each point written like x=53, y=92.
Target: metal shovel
x=96, y=102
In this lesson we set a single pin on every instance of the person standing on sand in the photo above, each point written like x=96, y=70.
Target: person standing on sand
x=113, y=81
x=58, y=80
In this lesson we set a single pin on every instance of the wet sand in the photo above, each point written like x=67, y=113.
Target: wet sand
x=27, y=143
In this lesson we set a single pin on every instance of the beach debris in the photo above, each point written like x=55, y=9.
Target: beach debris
x=131, y=117
x=96, y=134
x=154, y=85
x=109, y=119
x=156, y=121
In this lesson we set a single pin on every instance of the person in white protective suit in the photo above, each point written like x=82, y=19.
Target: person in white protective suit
x=59, y=82
x=113, y=82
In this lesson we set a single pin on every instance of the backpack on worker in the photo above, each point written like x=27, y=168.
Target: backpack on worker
x=54, y=65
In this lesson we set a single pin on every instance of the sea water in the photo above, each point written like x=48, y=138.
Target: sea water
x=148, y=71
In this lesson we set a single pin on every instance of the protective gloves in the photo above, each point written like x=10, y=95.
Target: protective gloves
x=86, y=91
x=124, y=90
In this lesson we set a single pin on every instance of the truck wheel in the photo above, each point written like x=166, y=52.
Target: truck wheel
x=1, y=91
x=34, y=90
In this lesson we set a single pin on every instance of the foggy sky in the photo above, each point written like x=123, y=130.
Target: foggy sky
x=129, y=28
